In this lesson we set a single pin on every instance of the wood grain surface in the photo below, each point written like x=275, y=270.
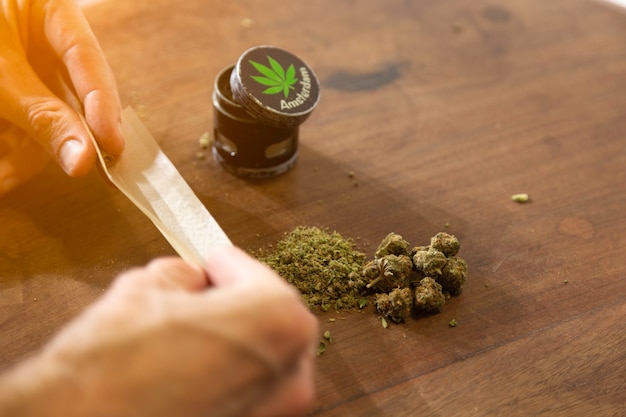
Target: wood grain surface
x=441, y=110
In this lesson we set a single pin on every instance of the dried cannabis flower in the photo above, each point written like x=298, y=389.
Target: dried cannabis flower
x=429, y=262
x=520, y=198
x=205, y=140
x=438, y=261
x=453, y=275
x=388, y=272
x=396, y=305
x=429, y=296
x=330, y=273
x=447, y=244
x=392, y=244
x=323, y=266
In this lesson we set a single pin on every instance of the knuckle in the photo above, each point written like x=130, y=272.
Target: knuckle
x=41, y=116
x=101, y=94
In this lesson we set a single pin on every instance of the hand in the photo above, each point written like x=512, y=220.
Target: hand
x=162, y=343
x=52, y=69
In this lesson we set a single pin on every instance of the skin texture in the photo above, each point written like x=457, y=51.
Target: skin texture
x=171, y=340
x=51, y=70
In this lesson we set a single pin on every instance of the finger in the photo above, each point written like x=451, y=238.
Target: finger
x=260, y=305
x=230, y=265
x=286, y=322
x=168, y=274
x=175, y=273
x=29, y=104
x=21, y=165
x=69, y=35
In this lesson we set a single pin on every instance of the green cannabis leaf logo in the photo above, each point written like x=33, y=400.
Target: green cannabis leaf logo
x=275, y=78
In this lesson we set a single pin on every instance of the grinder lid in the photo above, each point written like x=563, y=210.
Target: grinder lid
x=274, y=86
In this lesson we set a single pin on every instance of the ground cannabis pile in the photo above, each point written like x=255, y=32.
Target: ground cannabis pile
x=331, y=273
x=323, y=266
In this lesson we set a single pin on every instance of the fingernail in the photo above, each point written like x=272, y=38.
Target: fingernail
x=69, y=155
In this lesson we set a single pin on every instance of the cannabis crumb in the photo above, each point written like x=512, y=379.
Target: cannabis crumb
x=108, y=159
x=452, y=323
x=520, y=198
x=321, y=348
x=205, y=140
x=324, y=342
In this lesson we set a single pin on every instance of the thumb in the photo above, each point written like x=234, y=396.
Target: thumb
x=230, y=266
x=168, y=273
x=29, y=104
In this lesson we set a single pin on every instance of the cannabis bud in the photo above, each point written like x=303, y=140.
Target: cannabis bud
x=396, y=305
x=428, y=273
x=388, y=272
x=429, y=296
x=453, y=275
x=447, y=244
x=392, y=244
x=429, y=262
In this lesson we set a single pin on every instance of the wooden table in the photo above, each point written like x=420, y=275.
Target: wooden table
x=433, y=113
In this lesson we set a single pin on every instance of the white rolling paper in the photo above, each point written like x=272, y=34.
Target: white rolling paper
x=149, y=179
